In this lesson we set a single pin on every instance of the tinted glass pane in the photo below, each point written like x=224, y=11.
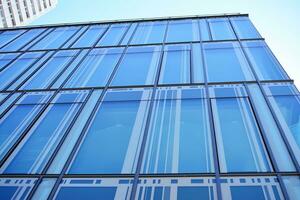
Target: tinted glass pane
x=47, y=73
x=287, y=109
x=106, y=189
x=129, y=34
x=176, y=65
x=16, y=68
x=56, y=38
x=273, y=135
x=23, y=40
x=197, y=64
x=221, y=29
x=222, y=59
x=113, y=139
x=244, y=28
x=250, y=188
x=96, y=68
x=6, y=58
x=8, y=36
x=265, y=64
x=15, y=188
x=176, y=188
x=33, y=152
x=239, y=142
x=114, y=35
x=183, y=31
x=292, y=184
x=90, y=37
x=149, y=32
x=278, y=89
x=178, y=129
x=138, y=66
x=44, y=189
x=204, y=30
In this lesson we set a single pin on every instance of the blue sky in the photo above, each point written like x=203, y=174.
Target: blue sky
x=277, y=20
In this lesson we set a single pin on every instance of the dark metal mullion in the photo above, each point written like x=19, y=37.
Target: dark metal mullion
x=59, y=145
x=212, y=127
x=209, y=29
x=283, y=188
x=148, y=120
x=191, y=64
x=282, y=133
x=84, y=131
x=265, y=141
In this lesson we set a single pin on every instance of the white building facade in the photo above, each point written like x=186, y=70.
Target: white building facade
x=21, y=12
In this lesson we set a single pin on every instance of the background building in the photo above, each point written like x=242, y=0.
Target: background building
x=173, y=108
x=21, y=12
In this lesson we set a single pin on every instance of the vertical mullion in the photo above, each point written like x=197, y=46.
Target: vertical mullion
x=84, y=131
x=209, y=29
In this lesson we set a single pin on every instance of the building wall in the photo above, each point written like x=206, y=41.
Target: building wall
x=173, y=108
x=21, y=12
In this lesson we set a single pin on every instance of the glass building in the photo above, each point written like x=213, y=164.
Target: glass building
x=170, y=108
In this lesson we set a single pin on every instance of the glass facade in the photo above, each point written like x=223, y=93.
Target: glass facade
x=174, y=108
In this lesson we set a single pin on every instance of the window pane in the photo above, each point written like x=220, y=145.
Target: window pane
x=114, y=137
x=221, y=29
x=183, y=31
x=113, y=35
x=287, y=109
x=33, y=152
x=204, y=31
x=176, y=188
x=18, y=118
x=222, y=59
x=23, y=40
x=6, y=58
x=275, y=89
x=16, y=188
x=250, y=188
x=19, y=66
x=244, y=28
x=240, y=145
x=176, y=65
x=49, y=71
x=292, y=184
x=100, y=188
x=149, y=32
x=96, y=68
x=273, y=135
x=138, y=66
x=56, y=38
x=8, y=36
x=75, y=37
x=178, y=129
x=44, y=189
x=265, y=64
x=91, y=36
x=129, y=33
x=197, y=64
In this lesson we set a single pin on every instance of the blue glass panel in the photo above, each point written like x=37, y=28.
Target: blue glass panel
x=275, y=89
x=96, y=68
x=74, y=38
x=236, y=90
x=6, y=58
x=113, y=35
x=16, y=68
x=138, y=66
x=33, y=152
x=129, y=33
x=250, y=188
x=183, y=31
x=16, y=188
x=44, y=189
x=193, y=92
x=23, y=40
x=244, y=28
x=193, y=193
x=221, y=29
x=265, y=64
x=222, y=59
x=111, y=144
x=178, y=129
x=176, y=65
x=287, y=109
x=271, y=130
x=8, y=36
x=197, y=64
x=46, y=74
x=107, y=193
x=90, y=37
x=240, y=145
x=204, y=30
x=292, y=185
x=56, y=38
x=149, y=32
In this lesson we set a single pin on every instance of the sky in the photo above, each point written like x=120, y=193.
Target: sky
x=278, y=21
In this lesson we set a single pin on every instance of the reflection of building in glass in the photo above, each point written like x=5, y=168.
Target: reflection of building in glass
x=21, y=12
x=172, y=108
